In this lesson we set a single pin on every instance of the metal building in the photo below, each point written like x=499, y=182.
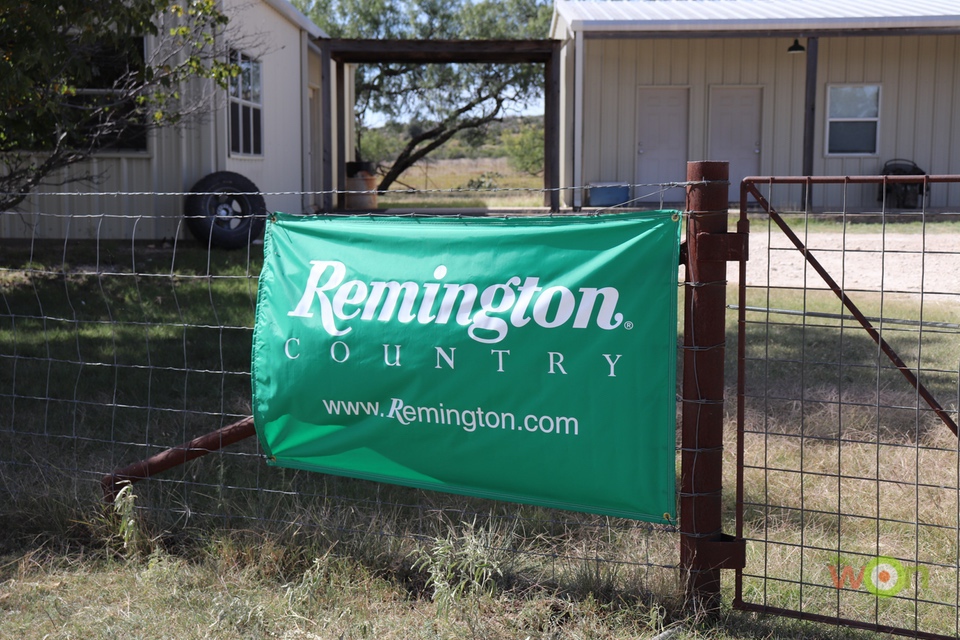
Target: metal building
x=267, y=128
x=776, y=87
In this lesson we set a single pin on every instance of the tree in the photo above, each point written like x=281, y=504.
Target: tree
x=77, y=77
x=441, y=99
x=525, y=148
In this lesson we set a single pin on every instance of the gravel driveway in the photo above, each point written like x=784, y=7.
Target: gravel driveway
x=906, y=263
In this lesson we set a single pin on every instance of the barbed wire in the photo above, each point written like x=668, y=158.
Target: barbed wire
x=660, y=186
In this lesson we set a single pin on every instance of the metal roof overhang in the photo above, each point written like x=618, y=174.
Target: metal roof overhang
x=731, y=18
x=767, y=33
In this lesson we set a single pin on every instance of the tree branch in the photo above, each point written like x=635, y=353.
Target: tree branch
x=437, y=136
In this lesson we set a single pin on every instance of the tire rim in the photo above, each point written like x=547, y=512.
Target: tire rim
x=230, y=211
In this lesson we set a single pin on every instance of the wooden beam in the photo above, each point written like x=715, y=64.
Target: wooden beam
x=546, y=52
x=342, y=111
x=326, y=88
x=809, y=117
x=551, y=130
x=440, y=51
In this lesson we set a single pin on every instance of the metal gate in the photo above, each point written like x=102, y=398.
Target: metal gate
x=848, y=469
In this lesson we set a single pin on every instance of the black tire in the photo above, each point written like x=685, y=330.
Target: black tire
x=225, y=210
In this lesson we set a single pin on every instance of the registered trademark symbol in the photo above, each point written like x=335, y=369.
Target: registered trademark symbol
x=628, y=325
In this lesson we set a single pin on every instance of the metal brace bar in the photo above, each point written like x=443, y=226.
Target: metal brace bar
x=723, y=247
x=720, y=552
x=855, y=311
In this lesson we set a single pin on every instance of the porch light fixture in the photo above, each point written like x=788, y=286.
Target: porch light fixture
x=796, y=47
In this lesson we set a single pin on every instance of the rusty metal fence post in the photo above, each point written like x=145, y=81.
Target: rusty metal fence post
x=704, y=549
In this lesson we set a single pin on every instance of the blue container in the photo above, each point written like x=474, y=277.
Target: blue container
x=607, y=194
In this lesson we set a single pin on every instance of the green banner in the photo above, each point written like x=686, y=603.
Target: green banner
x=526, y=359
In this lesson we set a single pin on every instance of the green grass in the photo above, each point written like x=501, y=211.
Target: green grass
x=464, y=183
x=890, y=489
x=230, y=548
x=118, y=351
x=249, y=587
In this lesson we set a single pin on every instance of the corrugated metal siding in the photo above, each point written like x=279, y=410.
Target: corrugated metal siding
x=99, y=211
x=614, y=69
x=948, y=104
x=594, y=94
x=919, y=110
x=920, y=103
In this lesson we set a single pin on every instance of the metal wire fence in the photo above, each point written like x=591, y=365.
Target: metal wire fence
x=849, y=462
x=113, y=350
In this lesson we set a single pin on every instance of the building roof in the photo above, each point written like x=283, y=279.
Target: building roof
x=291, y=13
x=752, y=15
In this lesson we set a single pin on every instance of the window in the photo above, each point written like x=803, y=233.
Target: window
x=104, y=109
x=853, y=119
x=246, y=114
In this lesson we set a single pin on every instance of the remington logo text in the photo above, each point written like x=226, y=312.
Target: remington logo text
x=488, y=314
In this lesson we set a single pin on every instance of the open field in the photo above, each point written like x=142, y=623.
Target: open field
x=110, y=353
x=486, y=183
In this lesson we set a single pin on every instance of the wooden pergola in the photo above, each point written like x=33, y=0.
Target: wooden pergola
x=346, y=51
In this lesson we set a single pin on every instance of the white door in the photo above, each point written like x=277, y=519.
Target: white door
x=735, y=114
x=662, y=130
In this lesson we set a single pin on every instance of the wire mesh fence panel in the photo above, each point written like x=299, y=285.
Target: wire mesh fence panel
x=114, y=350
x=849, y=393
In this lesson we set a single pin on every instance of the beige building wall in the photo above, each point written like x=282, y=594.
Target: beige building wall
x=276, y=43
x=567, y=67
x=314, y=117
x=919, y=78
x=176, y=158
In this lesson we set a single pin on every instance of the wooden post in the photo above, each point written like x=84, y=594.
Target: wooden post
x=701, y=455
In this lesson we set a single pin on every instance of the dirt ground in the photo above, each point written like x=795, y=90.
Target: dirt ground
x=907, y=263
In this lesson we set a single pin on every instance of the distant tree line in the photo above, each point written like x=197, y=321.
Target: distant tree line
x=517, y=138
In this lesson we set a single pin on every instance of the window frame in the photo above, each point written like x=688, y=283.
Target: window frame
x=829, y=120
x=137, y=132
x=245, y=130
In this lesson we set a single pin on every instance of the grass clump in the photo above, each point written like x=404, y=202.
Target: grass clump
x=459, y=566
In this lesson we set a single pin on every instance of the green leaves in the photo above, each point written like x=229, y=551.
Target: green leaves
x=79, y=77
x=525, y=148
